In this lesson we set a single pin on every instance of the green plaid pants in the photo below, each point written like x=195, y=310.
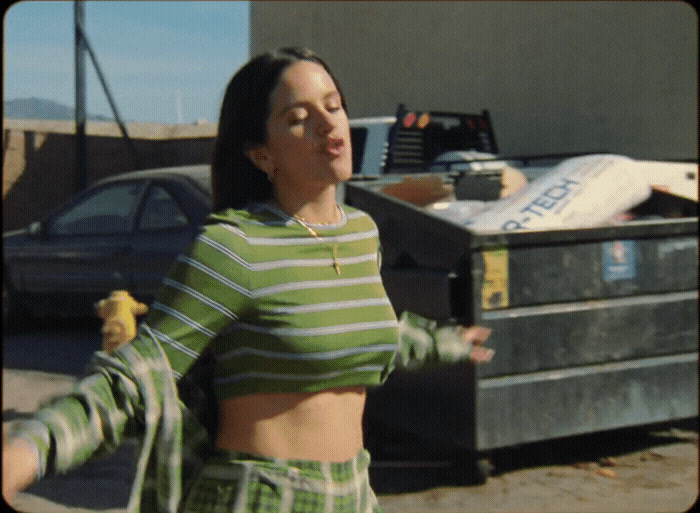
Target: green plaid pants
x=236, y=482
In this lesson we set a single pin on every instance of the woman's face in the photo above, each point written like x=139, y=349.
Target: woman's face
x=308, y=146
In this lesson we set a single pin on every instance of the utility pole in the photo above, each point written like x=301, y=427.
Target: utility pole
x=80, y=179
x=83, y=46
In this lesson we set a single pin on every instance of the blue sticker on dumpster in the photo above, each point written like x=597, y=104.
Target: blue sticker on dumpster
x=619, y=260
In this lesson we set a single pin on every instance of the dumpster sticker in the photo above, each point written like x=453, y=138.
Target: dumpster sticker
x=494, y=290
x=619, y=260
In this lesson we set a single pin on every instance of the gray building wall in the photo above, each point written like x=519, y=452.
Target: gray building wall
x=556, y=76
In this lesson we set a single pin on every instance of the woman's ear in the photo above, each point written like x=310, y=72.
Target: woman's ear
x=259, y=156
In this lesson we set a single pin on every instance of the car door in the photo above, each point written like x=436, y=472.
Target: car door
x=84, y=251
x=166, y=224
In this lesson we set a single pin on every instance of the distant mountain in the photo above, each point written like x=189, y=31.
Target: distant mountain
x=38, y=108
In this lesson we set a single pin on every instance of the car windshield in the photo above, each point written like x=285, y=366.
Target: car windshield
x=107, y=210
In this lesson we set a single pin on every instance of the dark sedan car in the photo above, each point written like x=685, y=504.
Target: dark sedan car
x=123, y=232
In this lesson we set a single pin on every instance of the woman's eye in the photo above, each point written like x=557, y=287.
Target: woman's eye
x=297, y=116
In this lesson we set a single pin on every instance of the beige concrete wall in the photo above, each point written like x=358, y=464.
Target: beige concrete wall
x=557, y=76
x=38, y=170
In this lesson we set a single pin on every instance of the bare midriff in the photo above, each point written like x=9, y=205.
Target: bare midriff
x=319, y=426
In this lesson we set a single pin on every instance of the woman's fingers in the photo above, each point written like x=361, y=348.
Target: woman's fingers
x=481, y=354
x=475, y=334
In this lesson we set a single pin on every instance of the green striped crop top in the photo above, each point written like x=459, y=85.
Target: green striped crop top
x=282, y=310
x=263, y=294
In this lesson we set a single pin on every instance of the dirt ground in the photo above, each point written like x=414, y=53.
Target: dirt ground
x=632, y=470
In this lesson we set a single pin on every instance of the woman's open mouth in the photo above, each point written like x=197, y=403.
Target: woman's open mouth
x=334, y=147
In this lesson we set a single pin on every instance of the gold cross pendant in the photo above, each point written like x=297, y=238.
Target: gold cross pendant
x=335, y=259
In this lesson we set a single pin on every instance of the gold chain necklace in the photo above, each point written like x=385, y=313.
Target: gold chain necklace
x=313, y=232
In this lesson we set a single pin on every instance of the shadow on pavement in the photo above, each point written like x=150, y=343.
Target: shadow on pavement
x=407, y=473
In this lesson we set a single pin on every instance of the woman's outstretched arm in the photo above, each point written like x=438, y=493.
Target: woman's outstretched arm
x=20, y=467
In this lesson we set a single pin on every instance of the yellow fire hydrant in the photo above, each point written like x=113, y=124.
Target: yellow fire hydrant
x=119, y=313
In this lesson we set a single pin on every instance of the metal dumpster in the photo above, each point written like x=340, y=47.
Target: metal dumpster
x=593, y=329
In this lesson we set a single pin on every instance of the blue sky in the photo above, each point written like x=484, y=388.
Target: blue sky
x=155, y=55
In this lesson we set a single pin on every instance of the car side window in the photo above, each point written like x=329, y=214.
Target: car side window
x=161, y=211
x=107, y=211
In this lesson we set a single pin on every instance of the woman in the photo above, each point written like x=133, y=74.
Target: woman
x=283, y=286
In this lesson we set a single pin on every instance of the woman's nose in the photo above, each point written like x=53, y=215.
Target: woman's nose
x=325, y=123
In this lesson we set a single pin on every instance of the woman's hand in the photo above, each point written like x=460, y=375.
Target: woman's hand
x=476, y=336
x=19, y=468
x=425, y=343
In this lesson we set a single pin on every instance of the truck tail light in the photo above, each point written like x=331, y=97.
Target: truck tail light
x=423, y=120
x=409, y=119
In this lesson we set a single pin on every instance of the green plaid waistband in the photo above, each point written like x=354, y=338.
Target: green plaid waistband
x=225, y=462
x=240, y=482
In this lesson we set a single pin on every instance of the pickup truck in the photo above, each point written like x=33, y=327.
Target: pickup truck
x=461, y=144
x=411, y=141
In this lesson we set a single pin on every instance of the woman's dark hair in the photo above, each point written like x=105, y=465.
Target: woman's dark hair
x=235, y=180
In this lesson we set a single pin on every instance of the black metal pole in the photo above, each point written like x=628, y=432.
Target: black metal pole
x=108, y=93
x=80, y=179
